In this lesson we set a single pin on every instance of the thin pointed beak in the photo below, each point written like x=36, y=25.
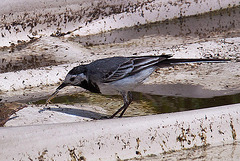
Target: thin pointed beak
x=61, y=86
x=56, y=92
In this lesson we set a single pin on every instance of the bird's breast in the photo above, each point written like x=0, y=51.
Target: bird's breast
x=90, y=86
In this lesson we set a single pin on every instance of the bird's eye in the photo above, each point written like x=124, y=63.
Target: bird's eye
x=72, y=79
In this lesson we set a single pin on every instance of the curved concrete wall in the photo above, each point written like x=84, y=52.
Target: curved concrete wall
x=23, y=19
x=122, y=138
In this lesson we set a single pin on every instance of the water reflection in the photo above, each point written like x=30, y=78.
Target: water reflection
x=158, y=104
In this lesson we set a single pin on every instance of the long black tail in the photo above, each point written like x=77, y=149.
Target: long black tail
x=166, y=60
x=184, y=61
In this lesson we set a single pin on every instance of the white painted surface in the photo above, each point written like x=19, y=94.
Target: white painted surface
x=41, y=115
x=153, y=11
x=35, y=18
x=122, y=138
x=33, y=77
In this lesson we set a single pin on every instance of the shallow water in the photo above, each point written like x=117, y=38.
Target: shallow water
x=147, y=103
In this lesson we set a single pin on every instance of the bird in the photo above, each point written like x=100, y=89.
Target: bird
x=119, y=74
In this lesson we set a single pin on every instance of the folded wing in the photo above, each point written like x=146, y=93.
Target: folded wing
x=133, y=66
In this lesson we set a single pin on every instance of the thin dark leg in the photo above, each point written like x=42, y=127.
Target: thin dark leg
x=120, y=109
x=127, y=98
x=129, y=101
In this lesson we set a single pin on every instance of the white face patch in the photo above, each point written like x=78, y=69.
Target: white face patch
x=83, y=76
x=75, y=79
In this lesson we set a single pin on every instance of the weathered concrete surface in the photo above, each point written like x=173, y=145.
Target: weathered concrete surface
x=223, y=152
x=122, y=138
x=22, y=19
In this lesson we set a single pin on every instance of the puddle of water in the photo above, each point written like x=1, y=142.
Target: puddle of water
x=156, y=99
x=203, y=26
x=146, y=103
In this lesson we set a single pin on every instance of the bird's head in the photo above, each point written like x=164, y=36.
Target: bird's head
x=75, y=77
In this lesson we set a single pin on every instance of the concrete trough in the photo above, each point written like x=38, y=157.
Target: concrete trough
x=114, y=139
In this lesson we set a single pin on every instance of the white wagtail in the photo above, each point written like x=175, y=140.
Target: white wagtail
x=121, y=74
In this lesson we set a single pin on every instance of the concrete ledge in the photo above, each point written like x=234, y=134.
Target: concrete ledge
x=122, y=138
x=48, y=17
